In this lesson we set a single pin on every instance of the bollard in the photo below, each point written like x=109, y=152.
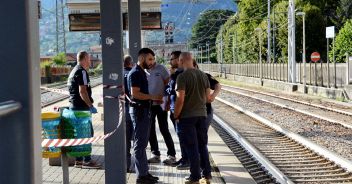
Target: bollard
x=64, y=165
x=64, y=158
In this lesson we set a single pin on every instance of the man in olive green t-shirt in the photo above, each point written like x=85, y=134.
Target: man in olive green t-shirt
x=193, y=89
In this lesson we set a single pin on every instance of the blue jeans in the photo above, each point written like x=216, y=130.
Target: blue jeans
x=193, y=135
x=141, y=122
x=129, y=133
x=209, y=118
x=184, y=157
x=157, y=111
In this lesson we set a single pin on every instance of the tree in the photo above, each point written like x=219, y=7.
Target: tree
x=247, y=42
x=343, y=13
x=60, y=59
x=207, y=27
x=343, y=43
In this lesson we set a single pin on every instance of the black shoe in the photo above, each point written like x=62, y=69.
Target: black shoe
x=153, y=177
x=183, y=166
x=145, y=180
x=176, y=163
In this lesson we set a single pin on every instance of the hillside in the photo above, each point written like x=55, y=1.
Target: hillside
x=184, y=15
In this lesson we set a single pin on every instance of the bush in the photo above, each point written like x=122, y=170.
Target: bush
x=97, y=70
x=60, y=59
x=160, y=60
x=45, y=64
x=343, y=43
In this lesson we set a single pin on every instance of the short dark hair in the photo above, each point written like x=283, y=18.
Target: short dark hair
x=81, y=55
x=176, y=53
x=127, y=60
x=145, y=51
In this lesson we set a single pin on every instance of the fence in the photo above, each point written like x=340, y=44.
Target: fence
x=316, y=73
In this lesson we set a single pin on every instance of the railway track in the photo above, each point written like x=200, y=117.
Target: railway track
x=49, y=98
x=330, y=114
x=272, y=154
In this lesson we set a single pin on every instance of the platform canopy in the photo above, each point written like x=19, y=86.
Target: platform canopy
x=84, y=15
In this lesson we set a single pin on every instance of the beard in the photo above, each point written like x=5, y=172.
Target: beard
x=145, y=66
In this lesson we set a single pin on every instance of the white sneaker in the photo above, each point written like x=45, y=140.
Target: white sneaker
x=154, y=159
x=170, y=160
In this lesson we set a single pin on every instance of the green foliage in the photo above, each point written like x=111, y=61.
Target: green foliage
x=207, y=27
x=45, y=64
x=160, y=60
x=98, y=70
x=60, y=59
x=253, y=15
x=343, y=43
x=343, y=13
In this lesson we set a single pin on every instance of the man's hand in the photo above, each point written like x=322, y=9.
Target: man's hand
x=93, y=110
x=157, y=98
x=211, y=98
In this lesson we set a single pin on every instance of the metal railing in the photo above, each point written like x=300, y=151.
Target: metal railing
x=9, y=107
x=316, y=75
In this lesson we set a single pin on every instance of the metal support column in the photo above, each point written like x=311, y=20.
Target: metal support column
x=134, y=28
x=20, y=126
x=291, y=42
x=347, y=69
x=112, y=52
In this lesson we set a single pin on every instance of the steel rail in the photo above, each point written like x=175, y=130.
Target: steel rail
x=270, y=167
x=293, y=109
x=292, y=100
x=329, y=155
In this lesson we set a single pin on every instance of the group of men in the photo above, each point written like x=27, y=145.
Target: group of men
x=150, y=93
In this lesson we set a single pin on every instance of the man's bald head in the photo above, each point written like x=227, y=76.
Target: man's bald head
x=186, y=60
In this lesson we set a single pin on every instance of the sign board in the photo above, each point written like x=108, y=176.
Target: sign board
x=91, y=21
x=330, y=32
x=350, y=59
x=315, y=56
x=150, y=20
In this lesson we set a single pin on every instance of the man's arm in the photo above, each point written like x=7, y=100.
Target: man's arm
x=179, y=103
x=137, y=94
x=84, y=95
x=215, y=92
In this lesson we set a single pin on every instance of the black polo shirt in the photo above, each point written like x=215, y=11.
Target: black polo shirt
x=77, y=77
x=213, y=82
x=125, y=73
x=138, y=78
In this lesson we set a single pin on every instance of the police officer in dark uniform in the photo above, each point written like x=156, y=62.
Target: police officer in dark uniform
x=128, y=64
x=81, y=98
x=140, y=113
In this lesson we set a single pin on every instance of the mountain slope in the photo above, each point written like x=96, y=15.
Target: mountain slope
x=184, y=15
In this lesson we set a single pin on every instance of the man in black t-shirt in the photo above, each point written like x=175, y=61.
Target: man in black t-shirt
x=81, y=98
x=215, y=87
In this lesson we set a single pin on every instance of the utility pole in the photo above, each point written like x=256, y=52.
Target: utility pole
x=233, y=49
x=291, y=42
x=57, y=26
x=208, y=52
x=201, y=54
x=269, y=33
x=260, y=55
x=274, y=36
x=63, y=24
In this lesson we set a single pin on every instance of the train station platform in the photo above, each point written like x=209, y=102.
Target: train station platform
x=225, y=166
